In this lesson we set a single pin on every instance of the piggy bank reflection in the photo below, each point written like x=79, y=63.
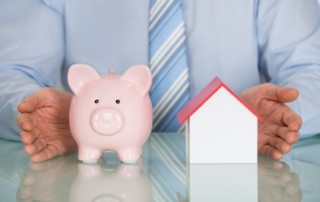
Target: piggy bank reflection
x=120, y=184
x=110, y=113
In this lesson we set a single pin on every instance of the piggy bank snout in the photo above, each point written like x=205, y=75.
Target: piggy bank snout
x=107, y=121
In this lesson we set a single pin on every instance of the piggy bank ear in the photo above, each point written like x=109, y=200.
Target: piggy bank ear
x=141, y=76
x=79, y=75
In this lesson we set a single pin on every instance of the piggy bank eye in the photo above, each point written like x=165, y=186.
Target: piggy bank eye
x=118, y=101
x=96, y=101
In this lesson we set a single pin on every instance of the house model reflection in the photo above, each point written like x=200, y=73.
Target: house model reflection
x=221, y=128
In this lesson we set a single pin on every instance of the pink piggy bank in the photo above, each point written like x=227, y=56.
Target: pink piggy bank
x=110, y=113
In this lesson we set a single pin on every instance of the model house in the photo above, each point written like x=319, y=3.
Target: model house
x=221, y=128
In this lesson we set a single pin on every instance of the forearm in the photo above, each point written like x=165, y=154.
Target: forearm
x=31, y=55
x=15, y=86
x=289, y=45
x=307, y=81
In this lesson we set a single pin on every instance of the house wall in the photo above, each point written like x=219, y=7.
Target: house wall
x=223, y=130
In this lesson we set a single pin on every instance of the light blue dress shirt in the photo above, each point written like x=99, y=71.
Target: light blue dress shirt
x=241, y=41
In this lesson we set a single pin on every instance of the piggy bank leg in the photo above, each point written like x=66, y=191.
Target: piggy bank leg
x=89, y=155
x=129, y=155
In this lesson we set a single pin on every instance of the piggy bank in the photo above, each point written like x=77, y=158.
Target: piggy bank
x=110, y=113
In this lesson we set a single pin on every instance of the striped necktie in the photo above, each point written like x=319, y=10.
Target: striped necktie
x=168, y=63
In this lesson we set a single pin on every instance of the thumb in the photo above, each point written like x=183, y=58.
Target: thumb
x=31, y=103
x=278, y=94
x=285, y=94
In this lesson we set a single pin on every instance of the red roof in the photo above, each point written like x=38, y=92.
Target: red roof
x=204, y=95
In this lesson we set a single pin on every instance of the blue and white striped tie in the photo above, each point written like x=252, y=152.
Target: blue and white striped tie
x=168, y=63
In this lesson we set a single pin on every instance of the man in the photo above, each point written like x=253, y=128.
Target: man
x=239, y=41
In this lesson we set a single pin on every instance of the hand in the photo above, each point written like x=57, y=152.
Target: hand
x=280, y=128
x=44, y=120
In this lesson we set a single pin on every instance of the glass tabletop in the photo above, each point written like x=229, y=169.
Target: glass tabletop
x=161, y=175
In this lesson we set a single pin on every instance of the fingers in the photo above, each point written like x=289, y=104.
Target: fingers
x=24, y=121
x=38, y=145
x=278, y=144
x=40, y=151
x=45, y=154
x=27, y=137
x=282, y=146
x=289, y=130
x=37, y=148
x=273, y=146
x=270, y=151
x=287, y=135
x=292, y=120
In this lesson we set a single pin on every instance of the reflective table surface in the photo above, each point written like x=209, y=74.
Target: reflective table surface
x=161, y=175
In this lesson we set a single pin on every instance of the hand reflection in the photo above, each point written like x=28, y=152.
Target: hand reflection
x=49, y=180
x=110, y=183
x=65, y=179
x=276, y=181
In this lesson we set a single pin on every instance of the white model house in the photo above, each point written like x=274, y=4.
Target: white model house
x=221, y=128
